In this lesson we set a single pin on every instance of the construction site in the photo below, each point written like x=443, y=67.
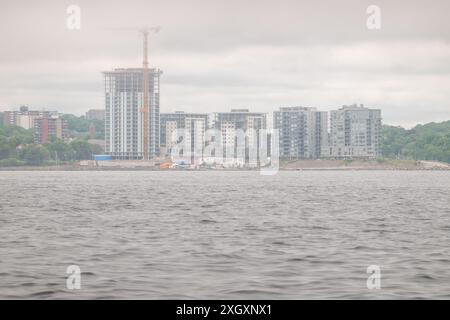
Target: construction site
x=132, y=110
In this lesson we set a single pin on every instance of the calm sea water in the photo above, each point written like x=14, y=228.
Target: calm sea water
x=237, y=235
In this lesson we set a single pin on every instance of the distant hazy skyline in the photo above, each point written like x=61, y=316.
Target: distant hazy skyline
x=218, y=55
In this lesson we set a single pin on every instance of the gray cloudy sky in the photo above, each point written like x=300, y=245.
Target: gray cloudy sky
x=219, y=54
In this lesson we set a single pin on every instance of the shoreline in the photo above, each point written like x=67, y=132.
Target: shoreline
x=298, y=165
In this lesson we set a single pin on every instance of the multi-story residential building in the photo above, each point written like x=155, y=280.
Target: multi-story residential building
x=355, y=132
x=45, y=124
x=229, y=123
x=194, y=126
x=24, y=118
x=124, y=125
x=47, y=127
x=302, y=132
x=95, y=114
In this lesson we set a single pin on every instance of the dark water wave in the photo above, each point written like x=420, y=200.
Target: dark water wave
x=237, y=235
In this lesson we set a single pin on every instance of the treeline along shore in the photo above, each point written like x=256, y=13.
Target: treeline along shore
x=424, y=147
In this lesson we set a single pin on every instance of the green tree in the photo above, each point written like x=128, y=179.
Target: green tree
x=82, y=149
x=423, y=142
x=5, y=148
x=11, y=137
x=33, y=154
x=78, y=124
x=59, y=150
x=20, y=134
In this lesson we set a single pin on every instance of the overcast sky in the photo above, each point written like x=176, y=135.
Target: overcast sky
x=216, y=55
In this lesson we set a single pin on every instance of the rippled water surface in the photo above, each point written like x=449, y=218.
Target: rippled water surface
x=237, y=235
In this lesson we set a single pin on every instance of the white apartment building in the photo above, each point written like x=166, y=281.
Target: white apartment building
x=355, y=132
x=231, y=125
x=192, y=127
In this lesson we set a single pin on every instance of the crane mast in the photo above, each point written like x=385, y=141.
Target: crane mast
x=145, y=107
x=145, y=110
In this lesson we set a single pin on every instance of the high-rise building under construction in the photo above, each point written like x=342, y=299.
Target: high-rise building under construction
x=124, y=125
x=132, y=110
